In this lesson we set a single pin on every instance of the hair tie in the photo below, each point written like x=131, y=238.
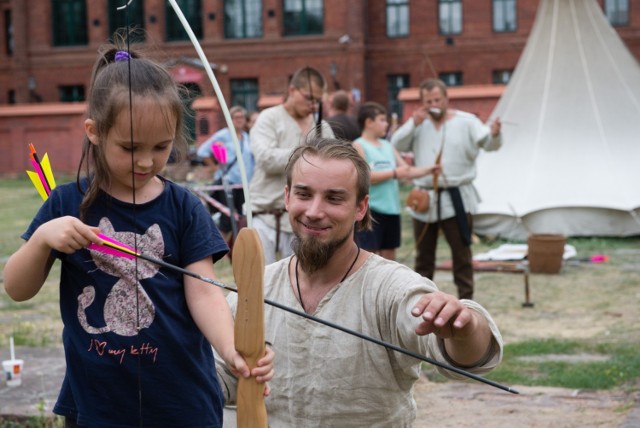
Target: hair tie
x=122, y=56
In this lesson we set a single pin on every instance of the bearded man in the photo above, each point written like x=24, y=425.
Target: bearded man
x=323, y=376
x=452, y=139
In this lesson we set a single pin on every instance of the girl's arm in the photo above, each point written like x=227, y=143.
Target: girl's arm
x=211, y=313
x=28, y=268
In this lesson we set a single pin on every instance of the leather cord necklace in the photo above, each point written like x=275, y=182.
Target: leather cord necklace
x=342, y=280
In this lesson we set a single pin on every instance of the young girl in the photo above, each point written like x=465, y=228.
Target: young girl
x=136, y=337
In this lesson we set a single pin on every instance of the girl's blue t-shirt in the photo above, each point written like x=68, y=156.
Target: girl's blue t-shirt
x=134, y=354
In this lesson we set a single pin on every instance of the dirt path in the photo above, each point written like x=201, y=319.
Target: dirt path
x=456, y=404
x=598, y=303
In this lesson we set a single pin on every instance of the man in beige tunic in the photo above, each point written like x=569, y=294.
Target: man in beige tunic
x=452, y=139
x=277, y=131
x=325, y=377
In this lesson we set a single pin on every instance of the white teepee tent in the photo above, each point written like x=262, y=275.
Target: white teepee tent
x=570, y=162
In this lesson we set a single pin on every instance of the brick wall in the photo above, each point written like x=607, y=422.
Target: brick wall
x=56, y=129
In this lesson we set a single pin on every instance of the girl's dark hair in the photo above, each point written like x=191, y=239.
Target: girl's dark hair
x=331, y=148
x=112, y=83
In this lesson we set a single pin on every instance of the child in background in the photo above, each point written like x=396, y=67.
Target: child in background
x=137, y=338
x=387, y=166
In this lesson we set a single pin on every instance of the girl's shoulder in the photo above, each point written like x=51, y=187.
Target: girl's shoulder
x=173, y=188
x=179, y=195
x=70, y=190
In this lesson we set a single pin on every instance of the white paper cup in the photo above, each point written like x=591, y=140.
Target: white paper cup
x=13, y=371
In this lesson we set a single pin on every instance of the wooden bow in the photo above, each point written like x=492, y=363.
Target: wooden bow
x=435, y=174
x=248, y=271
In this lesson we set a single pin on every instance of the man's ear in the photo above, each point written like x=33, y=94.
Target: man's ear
x=286, y=197
x=362, y=207
x=367, y=121
x=91, y=130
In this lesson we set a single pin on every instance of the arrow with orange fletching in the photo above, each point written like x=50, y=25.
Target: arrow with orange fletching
x=42, y=177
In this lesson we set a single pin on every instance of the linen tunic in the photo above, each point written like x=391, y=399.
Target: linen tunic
x=327, y=378
x=273, y=138
x=461, y=137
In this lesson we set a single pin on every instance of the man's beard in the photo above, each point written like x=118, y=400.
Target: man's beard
x=436, y=113
x=312, y=254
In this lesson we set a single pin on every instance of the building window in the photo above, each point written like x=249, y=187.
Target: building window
x=118, y=18
x=617, y=12
x=70, y=94
x=397, y=18
x=192, y=10
x=395, y=82
x=69, y=22
x=244, y=92
x=11, y=96
x=8, y=33
x=452, y=78
x=450, y=16
x=302, y=17
x=501, y=76
x=242, y=19
x=504, y=16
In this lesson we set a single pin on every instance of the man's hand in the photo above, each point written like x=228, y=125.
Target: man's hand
x=443, y=315
x=495, y=127
x=467, y=336
x=419, y=115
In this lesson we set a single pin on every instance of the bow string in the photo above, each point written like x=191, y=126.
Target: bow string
x=249, y=254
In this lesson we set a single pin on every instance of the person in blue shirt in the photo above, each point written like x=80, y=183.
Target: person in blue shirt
x=387, y=167
x=137, y=337
x=231, y=169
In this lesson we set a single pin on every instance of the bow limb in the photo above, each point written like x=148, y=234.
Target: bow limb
x=435, y=174
x=223, y=105
x=251, y=259
x=248, y=271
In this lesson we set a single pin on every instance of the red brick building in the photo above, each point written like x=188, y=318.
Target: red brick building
x=372, y=48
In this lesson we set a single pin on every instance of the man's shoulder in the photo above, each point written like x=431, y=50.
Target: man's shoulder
x=459, y=114
x=271, y=111
x=276, y=267
x=384, y=268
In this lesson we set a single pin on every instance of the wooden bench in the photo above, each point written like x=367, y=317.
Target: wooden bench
x=497, y=266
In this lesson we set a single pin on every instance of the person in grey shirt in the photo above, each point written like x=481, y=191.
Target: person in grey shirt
x=277, y=131
x=325, y=377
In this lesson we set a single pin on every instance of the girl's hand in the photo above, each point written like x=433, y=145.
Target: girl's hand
x=67, y=234
x=263, y=372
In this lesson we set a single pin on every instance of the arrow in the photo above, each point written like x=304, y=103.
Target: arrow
x=42, y=177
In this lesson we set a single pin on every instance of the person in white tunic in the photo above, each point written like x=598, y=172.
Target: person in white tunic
x=453, y=139
x=277, y=131
x=323, y=376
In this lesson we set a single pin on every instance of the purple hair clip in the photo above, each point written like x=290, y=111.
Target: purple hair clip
x=122, y=56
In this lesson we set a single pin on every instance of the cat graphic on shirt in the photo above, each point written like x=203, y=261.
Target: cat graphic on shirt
x=127, y=307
